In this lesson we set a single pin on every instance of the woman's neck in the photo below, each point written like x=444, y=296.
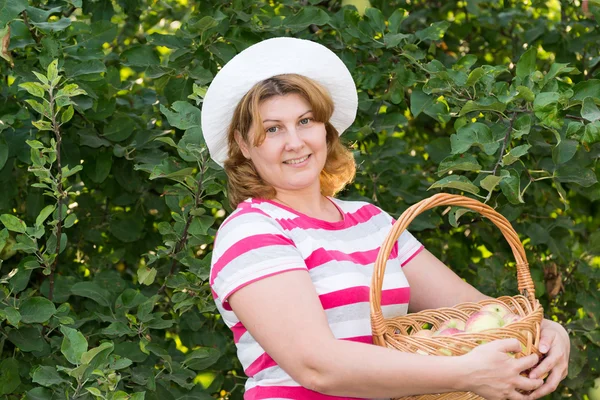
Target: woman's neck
x=313, y=204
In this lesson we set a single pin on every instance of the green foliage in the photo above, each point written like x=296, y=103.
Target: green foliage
x=110, y=203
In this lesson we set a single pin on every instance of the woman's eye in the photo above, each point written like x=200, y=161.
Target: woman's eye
x=272, y=129
x=305, y=121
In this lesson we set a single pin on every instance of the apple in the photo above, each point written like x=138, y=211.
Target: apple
x=452, y=323
x=361, y=5
x=448, y=332
x=7, y=251
x=510, y=318
x=594, y=391
x=483, y=320
x=424, y=333
x=445, y=352
x=499, y=309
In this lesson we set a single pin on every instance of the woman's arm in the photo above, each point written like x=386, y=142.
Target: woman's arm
x=284, y=314
x=434, y=285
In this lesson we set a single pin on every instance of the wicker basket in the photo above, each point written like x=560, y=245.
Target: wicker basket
x=396, y=333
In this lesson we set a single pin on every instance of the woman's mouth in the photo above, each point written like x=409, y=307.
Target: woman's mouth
x=297, y=161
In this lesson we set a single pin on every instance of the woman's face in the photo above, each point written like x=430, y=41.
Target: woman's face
x=294, y=150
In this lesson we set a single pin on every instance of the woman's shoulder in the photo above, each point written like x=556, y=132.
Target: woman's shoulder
x=354, y=205
x=251, y=213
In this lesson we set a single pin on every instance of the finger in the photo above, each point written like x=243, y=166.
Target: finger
x=508, y=345
x=528, y=362
x=546, y=340
x=546, y=365
x=548, y=387
x=518, y=396
x=527, y=384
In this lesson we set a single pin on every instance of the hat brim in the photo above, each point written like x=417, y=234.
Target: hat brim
x=262, y=61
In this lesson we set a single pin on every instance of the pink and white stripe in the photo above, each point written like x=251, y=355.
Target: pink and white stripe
x=263, y=238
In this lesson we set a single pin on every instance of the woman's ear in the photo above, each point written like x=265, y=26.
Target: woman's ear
x=241, y=143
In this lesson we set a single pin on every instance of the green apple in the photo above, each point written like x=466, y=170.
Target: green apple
x=483, y=320
x=499, y=309
x=8, y=250
x=361, y=5
x=594, y=391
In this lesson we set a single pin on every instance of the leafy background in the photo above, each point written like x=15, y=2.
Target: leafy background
x=109, y=202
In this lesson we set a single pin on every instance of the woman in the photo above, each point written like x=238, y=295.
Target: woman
x=292, y=265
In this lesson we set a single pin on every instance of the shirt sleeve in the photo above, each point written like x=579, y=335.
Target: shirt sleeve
x=248, y=248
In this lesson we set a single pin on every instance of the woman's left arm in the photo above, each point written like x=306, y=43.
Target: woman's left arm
x=434, y=285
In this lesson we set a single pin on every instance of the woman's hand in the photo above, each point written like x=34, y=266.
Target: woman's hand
x=496, y=375
x=554, y=342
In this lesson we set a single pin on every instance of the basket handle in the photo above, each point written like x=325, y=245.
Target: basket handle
x=525, y=283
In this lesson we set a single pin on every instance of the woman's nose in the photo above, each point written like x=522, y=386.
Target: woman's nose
x=293, y=140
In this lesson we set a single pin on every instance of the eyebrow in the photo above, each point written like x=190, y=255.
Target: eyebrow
x=276, y=120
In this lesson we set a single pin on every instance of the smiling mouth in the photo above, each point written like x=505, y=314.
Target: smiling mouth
x=297, y=160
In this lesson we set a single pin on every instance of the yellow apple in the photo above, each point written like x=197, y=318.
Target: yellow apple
x=594, y=391
x=499, y=309
x=361, y=5
x=483, y=320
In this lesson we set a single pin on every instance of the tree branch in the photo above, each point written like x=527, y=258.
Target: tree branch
x=184, y=235
x=30, y=28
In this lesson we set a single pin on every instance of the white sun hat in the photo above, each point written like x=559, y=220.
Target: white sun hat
x=264, y=60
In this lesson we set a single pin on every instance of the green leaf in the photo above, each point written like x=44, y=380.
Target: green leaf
x=485, y=104
x=146, y=275
x=419, y=101
x=89, y=355
x=490, y=182
x=474, y=134
x=127, y=227
x=557, y=69
x=589, y=110
x=56, y=26
x=592, y=133
x=36, y=310
x=526, y=64
x=396, y=19
x=456, y=182
x=92, y=291
x=511, y=187
x=3, y=152
x=140, y=56
x=185, y=116
x=44, y=214
x=202, y=358
x=376, y=19
x=10, y=379
x=475, y=76
x=10, y=9
x=526, y=93
x=119, y=129
x=13, y=223
x=584, y=89
x=70, y=220
x=393, y=40
x=564, y=151
x=34, y=89
x=27, y=339
x=67, y=115
x=13, y=316
x=572, y=173
x=522, y=126
x=42, y=109
x=515, y=154
x=42, y=125
x=52, y=71
x=73, y=345
x=462, y=162
x=46, y=376
x=88, y=67
x=435, y=31
x=304, y=18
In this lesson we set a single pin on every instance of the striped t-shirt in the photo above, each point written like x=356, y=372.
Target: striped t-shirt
x=262, y=238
